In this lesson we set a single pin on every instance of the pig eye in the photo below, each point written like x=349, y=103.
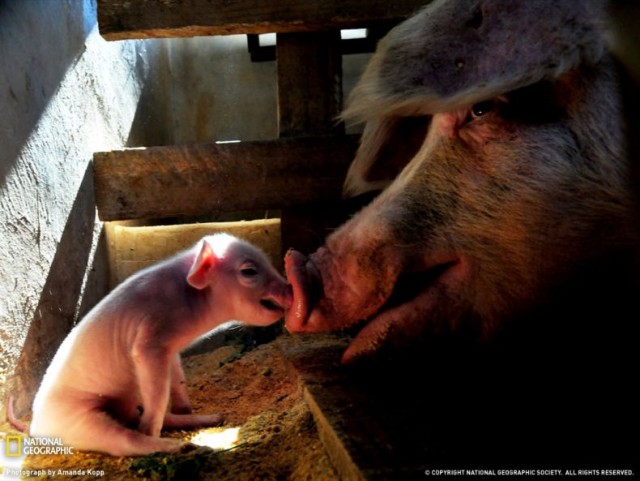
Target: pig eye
x=248, y=270
x=482, y=108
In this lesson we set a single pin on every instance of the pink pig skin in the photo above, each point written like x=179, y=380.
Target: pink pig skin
x=120, y=366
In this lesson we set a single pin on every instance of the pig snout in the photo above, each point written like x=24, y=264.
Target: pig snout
x=305, y=286
x=326, y=295
x=348, y=281
x=389, y=290
x=329, y=292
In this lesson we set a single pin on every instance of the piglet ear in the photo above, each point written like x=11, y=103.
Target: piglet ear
x=198, y=276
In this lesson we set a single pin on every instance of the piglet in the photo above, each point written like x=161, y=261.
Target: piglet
x=117, y=378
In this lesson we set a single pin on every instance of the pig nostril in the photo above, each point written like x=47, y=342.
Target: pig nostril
x=271, y=305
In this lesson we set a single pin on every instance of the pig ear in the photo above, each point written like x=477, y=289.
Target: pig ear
x=386, y=146
x=453, y=54
x=206, y=259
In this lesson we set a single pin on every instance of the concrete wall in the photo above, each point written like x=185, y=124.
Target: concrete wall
x=218, y=93
x=64, y=94
x=207, y=88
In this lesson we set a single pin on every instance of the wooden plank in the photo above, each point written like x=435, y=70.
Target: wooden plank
x=445, y=404
x=315, y=358
x=203, y=179
x=309, y=83
x=124, y=19
x=358, y=420
x=309, y=69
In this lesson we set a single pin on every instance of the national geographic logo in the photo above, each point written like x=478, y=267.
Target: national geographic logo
x=13, y=446
x=16, y=446
x=11, y=457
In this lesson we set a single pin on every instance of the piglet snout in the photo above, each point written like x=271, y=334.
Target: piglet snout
x=280, y=298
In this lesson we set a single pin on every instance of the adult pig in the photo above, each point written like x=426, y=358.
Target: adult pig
x=494, y=128
x=117, y=378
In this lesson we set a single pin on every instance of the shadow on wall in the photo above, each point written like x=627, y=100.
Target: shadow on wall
x=46, y=52
x=151, y=124
x=56, y=310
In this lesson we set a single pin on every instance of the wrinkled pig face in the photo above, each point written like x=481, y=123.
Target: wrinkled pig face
x=510, y=175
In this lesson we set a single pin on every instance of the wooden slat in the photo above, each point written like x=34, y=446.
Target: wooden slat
x=348, y=46
x=132, y=248
x=204, y=179
x=359, y=419
x=449, y=405
x=125, y=19
x=315, y=359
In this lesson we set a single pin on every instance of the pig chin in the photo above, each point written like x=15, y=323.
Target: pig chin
x=394, y=304
x=421, y=301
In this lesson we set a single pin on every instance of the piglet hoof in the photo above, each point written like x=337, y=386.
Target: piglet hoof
x=214, y=420
x=188, y=447
x=174, y=445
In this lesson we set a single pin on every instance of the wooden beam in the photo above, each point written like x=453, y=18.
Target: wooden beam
x=309, y=100
x=124, y=19
x=309, y=73
x=202, y=179
x=348, y=427
x=132, y=248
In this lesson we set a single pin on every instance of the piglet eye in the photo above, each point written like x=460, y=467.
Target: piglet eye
x=248, y=270
x=482, y=108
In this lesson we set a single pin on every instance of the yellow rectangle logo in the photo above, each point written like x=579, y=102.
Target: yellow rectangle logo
x=13, y=446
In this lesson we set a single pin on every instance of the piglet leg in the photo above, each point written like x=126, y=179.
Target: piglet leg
x=102, y=433
x=180, y=416
x=152, y=366
x=190, y=421
x=92, y=429
x=178, y=394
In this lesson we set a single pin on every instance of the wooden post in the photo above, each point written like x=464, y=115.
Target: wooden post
x=309, y=100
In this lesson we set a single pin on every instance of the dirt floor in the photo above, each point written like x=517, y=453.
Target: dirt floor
x=261, y=397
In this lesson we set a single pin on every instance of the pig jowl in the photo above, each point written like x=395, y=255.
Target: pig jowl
x=389, y=307
x=370, y=279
